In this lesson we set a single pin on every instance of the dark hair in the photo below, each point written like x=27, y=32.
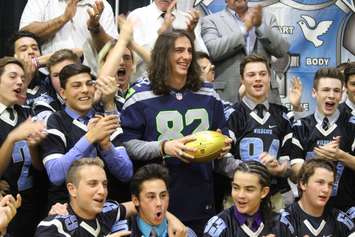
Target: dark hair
x=257, y=168
x=349, y=71
x=60, y=56
x=308, y=169
x=327, y=72
x=148, y=172
x=72, y=70
x=73, y=172
x=159, y=70
x=254, y=58
x=201, y=55
x=21, y=34
x=9, y=60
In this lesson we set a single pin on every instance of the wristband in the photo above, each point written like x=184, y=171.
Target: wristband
x=162, y=148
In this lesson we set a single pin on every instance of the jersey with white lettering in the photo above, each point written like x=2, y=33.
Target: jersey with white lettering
x=253, y=135
x=63, y=133
x=150, y=117
x=333, y=223
x=225, y=224
x=110, y=219
x=308, y=134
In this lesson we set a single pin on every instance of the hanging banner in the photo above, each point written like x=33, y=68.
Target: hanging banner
x=321, y=34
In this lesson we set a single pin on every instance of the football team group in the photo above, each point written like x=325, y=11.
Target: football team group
x=97, y=130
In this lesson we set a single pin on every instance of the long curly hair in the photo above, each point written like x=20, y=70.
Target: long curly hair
x=255, y=167
x=160, y=69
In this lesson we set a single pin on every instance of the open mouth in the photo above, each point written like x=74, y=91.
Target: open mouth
x=158, y=215
x=85, y=98
x=99, y=200
x=329, y=105
x=121, y=72
x=258, y=86
x=242, y=204
x=323, y=198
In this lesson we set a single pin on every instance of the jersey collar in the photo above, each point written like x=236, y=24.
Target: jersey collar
x=251, y=104
x=332, y=119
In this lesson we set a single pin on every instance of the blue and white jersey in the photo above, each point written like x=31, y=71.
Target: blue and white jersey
x=150, y=117
x=110, y=219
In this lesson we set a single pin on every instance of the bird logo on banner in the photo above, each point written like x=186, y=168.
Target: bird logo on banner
x=312, y=31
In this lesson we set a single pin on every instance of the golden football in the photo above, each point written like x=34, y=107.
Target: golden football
x=208, y=145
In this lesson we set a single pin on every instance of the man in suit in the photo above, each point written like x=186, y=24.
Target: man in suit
x=235, y=32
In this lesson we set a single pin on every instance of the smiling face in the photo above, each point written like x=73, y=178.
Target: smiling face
x=181, y=57
x=256, y=79
x=153, y=201
x=328, y=93
x=12, y=84
x=89, y=195
x=79, y=93
x=247, y=192
x=316, y=192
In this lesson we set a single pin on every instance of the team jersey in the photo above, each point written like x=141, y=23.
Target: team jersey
x=149, y=117
x=47, y=103
x=225, y=224
x=63, y=133
x=333, y=223
x=38, y=86
x=111, y=217
x=19, y=175
x=347, y=107
x=254, y=135
x=308, y=134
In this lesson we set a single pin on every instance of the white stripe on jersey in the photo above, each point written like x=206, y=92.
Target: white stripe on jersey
x=57, y=224
x=296, y=142
x=58, y=133
x=51, y=157
x=288, y=136
x=42, y=103
x=91, y=230
x=297, y=161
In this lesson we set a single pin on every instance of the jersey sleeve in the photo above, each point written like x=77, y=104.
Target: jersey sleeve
x=115, y=214
x=53, y=227
x=345, y=224
x=286, y=142
x=298, y=142
x=132, y=119
x=215, y=227
x=285, y=228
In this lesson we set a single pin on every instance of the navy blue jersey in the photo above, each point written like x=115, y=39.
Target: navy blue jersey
x=225, y=224
x=333, y=223
x=63, y=133
x=151, y=117
x=308, y=134
x=46, y=104
x=111, y=217
x=39, y=85
x=19, y=175
x=254, y=135
x=347, y=107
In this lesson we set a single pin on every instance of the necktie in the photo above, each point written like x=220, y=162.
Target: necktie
x=260, y=110
x=325, y=123
x=153, y=233
x=11, y=113
x=84, y=120
x=249, y=222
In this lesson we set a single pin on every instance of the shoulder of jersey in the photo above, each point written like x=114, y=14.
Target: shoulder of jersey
x=142, y=84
